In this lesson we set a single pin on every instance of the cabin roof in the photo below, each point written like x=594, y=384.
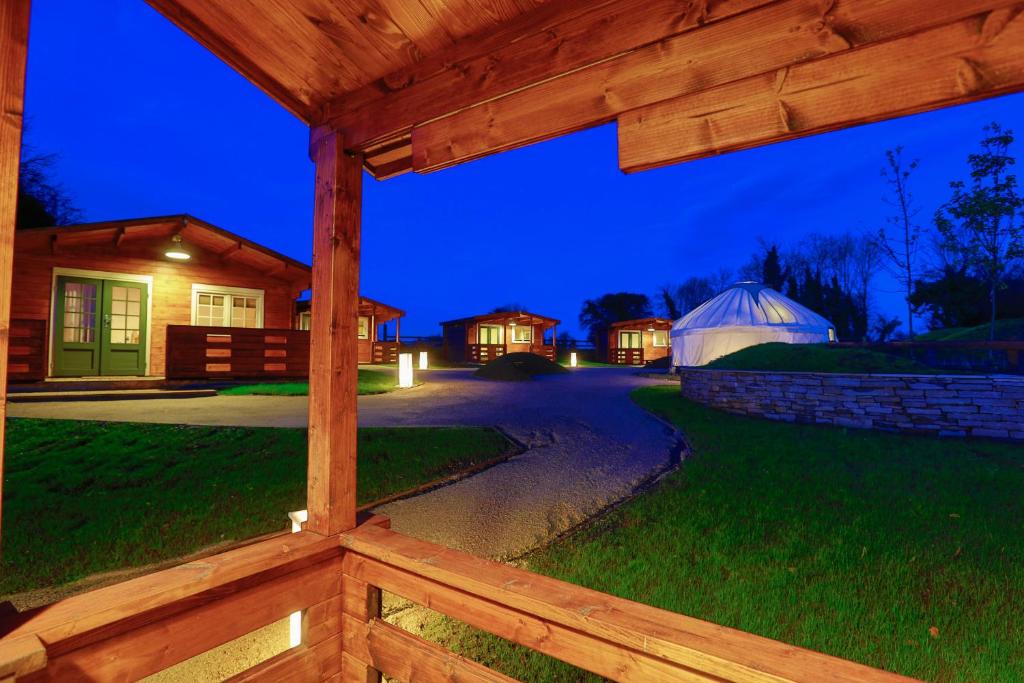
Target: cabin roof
x=367, y=306
x=523, y=317
x=194, y=231
x=642, y=321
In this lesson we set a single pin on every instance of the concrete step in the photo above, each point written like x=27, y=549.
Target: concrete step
x=108, y=395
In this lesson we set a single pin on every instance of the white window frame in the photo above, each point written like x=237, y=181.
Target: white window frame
x=528, y=328
x=638, y=333
x=654, y=339
x=501, y=333
x=258, y=294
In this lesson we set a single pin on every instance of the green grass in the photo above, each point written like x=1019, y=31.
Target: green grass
x=87, y=497
x=1011, y=329
x=854, y=543
x=779, y=357
x=370, y=382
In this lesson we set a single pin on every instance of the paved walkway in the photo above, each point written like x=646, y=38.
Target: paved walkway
x=588, y=446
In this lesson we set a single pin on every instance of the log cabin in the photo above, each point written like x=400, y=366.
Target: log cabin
x=482, y=338
x=167, y=296
x=394, y=87
x=640, y=341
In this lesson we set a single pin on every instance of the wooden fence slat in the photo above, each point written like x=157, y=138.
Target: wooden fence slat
x=677, y=638
x=317, y=662
x=26, y=351
x=236, y=353
x=401, y=655
x=569, y=645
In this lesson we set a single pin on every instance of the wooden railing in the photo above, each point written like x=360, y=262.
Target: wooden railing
x=146, y=625
x=621, y=356
x=483, y=353
x=385, y=352
x=544, y=351
x=236, y=353
x=26, y=351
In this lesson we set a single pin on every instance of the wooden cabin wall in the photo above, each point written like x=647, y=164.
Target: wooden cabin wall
x=171, y=291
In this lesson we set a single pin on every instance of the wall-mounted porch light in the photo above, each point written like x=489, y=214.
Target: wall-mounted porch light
x=177, y=251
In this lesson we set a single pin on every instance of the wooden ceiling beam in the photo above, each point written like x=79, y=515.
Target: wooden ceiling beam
x=755, y=42
x=963, y=61
x=230, y=251
x=550, y=41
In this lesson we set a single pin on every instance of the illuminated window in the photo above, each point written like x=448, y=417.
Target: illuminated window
x=227, y=307
x=489, y=334
x=522, y=334
x=629, y=339
x=364, y=327
x=304, y=320
x=660, y=337
x=831, y=334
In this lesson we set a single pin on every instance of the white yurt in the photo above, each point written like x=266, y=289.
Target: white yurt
x=745, y=314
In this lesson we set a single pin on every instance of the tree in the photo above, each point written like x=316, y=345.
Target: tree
x=508, y=308
x=669, y=303
x=772, y=273
x=951, y=298
x=898, y=240
x=981, y=218
x=598, y=314
x=885, y=327
x=41, y=201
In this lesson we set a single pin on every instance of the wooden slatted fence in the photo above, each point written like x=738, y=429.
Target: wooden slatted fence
x=385, y=352
x=483, y=353
x=236, y=353
x=621, y=356
x=26, y=351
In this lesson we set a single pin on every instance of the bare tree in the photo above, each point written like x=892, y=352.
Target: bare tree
x=898, y=239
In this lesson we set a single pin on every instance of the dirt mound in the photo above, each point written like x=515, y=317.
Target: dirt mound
x=518, y=367
x=660, y=364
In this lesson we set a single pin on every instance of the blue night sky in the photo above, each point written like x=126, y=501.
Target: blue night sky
x=147, y=122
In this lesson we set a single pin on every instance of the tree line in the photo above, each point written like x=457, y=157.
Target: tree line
x=963, y=267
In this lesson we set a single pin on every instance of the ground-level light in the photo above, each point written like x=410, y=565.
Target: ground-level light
x=405, y=370
x=572, y=359
x=298, y=518
x=424, y=360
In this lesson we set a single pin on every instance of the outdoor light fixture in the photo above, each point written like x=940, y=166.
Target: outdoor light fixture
x=423, y=360
x=572, y=359
x=176, y=251
x=295, y=618
x=404, y=370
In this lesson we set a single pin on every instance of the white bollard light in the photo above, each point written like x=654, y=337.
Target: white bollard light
x=572, y=360
x=405, y=370
x=295, y=618
x=423, y=360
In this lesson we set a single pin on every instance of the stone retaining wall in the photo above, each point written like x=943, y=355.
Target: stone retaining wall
x=946, y=405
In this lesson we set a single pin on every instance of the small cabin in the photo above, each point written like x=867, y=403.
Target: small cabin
x=482, y=338
x=375, y=317
x=640, y=341
x=171, y=296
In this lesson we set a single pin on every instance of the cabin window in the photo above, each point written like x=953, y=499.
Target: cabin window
x=629, y=339
x=227, y=307
x=660, y=337
x=364, y=327
x=489, y=334
x=304, y=320
x=522, y=334
x=832, y=334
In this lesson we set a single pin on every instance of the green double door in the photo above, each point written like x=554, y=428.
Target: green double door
x=99, y=327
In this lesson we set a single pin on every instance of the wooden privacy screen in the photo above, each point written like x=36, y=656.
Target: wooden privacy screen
x=385, y=352
x=621, y=356
x=236, y=353
x=26, y=351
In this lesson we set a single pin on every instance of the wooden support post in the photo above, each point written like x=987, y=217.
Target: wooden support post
x=331, y=483
x=361, y=602
x=398, y=330
x=13, y=54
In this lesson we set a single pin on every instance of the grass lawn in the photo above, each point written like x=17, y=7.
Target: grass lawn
x=1010, y=329
x=776, y=356
x=901, y=552
x=88, y=497
x=370, y=382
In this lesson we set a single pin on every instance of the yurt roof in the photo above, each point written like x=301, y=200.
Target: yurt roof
x=750, y=304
